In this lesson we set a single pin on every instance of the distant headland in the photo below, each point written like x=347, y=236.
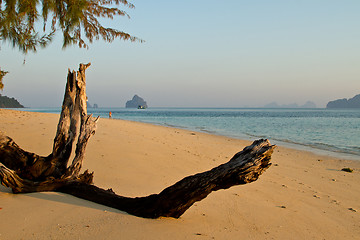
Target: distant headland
x=136, y=102
x=308, y=104
x=6, y=102
x=345, y=103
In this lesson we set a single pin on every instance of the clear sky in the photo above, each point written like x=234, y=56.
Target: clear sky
x=232, y=53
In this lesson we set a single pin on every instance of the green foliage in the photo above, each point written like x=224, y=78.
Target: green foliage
x=77, y=19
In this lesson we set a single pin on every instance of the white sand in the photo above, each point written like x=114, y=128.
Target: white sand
x=301, y=196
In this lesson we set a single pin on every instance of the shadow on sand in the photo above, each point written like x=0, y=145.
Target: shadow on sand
x=63, y=198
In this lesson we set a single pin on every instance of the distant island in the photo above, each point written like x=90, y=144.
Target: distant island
x=345, y=103
x=92, y=106
x=308, y=104
x=6, y=102
x=136, y=102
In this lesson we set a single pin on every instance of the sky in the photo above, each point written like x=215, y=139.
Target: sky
x=232, y=53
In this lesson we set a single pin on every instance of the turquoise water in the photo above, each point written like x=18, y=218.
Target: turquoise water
x=333, y=132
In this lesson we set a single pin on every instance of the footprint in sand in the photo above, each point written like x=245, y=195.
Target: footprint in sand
x=335, y=202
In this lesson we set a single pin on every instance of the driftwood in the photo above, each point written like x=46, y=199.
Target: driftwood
x=26, y=172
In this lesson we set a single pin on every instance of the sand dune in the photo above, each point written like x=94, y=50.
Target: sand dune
x=301, y=196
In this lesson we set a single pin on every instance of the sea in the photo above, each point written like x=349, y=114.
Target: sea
x=333, y=132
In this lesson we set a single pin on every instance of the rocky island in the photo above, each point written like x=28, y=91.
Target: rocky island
x=345, y=103
x=6, y=102
x=136, y=102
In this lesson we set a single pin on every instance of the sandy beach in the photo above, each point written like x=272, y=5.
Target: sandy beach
x=301, y=196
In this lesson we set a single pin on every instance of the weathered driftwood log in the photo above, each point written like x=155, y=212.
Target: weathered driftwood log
x=245, y=167
x=38, y=168
x=33, y=173
x=27, y=172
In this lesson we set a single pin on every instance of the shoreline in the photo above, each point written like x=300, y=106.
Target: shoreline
x=285, y=144
x=313, y=148
x=282, y=143
x=301, y=196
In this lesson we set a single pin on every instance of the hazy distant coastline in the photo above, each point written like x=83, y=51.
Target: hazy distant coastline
x=308, y=104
